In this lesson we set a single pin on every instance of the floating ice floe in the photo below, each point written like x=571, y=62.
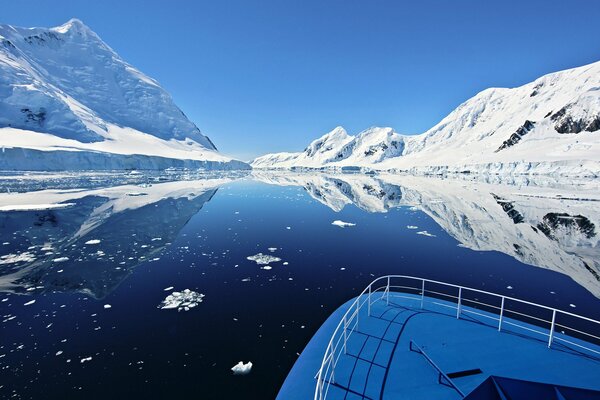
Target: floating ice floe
x=107, y=306
x=241, y=368
x=425, y=233
x=182, y=301
x=61, y=259
x=342, y=224
x=15, y=258
x=263, y=259
x=411, y=227
x=267, y=267
x=86, y=359
x=93, y=241
x=272, y=249
x=29, y=303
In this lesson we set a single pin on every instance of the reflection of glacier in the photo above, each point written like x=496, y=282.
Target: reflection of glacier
x=133, y=224
x=554, y=227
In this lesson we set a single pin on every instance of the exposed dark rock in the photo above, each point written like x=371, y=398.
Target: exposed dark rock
x=516, y=137
x=536, y=89
x=509, y=209
x=577, y=223
x=43, y=38
x=38, y=117
x=565, y=123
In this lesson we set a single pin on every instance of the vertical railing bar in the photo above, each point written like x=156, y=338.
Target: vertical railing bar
x=551, y=336
x=369, y=300
x=422, y=293
x=345, y=333
x=501, y=314
x=458, y=305
x=388, y=292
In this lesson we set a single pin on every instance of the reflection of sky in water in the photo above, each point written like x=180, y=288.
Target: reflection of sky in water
x=199, y=235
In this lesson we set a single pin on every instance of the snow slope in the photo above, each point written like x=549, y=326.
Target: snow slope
x=64, y=90
x=549, y=126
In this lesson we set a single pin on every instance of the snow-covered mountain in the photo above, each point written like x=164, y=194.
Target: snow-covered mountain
x=549, y=126
x=68, y=101
x=553, y=227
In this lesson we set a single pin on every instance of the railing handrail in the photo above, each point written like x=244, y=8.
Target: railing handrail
x=356, y=306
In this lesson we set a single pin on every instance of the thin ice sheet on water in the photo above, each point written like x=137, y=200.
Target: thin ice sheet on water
x=182, y=301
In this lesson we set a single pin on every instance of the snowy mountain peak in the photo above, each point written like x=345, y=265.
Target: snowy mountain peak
x=67, y=83
x=73, y=25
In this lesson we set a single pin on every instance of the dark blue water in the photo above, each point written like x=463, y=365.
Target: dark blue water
x=200, y=239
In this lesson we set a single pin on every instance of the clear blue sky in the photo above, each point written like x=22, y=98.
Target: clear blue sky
x=264, y=76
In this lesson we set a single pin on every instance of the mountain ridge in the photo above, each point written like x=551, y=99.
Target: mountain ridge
x=547, y=126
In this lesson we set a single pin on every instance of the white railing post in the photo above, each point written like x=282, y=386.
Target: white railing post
x=458, y=305
x=422, y=293
x=369, y=302
x=345, y=334
x=387, y=301
x=551, y=336
x=501, y=315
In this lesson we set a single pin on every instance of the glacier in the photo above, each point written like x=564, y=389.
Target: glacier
x=69, y=102
x=546, y=127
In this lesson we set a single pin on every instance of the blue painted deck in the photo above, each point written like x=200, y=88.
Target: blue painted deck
x=379, y=364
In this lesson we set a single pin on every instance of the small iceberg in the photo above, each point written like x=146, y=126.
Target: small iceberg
x=263, y=259
x=342, y=224
x=182, y=301
x=425, y=233
x=93, y=241
x=241, y=368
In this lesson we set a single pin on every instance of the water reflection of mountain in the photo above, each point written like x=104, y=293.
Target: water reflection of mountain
x=549, y=226
x=95, y=241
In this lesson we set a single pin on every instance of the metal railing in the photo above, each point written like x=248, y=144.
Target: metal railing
x=380, y=289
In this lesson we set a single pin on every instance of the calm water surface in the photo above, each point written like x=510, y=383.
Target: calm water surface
x=122, y=240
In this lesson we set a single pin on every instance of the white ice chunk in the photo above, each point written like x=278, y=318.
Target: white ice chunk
x=184, y=300
x=263, y=259
x=93, y=241
x=342, y=224
x=241, y=368
x=425, y=233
